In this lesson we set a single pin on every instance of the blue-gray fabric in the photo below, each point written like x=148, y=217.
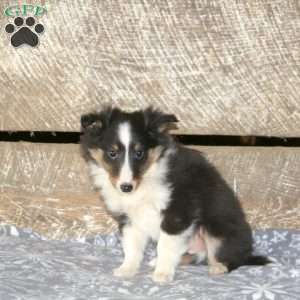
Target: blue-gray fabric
x=34, y=268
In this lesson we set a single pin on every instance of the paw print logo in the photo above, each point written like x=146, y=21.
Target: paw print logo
x=27, y=33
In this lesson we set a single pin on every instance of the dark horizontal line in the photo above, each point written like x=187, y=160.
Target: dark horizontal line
x=235, y=140
x=56, y=137
x=201, y=140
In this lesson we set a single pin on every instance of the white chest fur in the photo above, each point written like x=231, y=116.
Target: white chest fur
x=143, y=206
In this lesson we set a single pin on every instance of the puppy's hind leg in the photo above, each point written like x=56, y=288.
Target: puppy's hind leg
x=213, y=245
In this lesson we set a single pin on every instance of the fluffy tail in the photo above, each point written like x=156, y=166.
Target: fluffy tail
x=257, y=260
x=253, y=260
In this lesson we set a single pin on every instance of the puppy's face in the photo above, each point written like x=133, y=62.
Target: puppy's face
x=125, y=144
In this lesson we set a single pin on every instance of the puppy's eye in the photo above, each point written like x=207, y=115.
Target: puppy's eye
x=112, y=154
x=139, y=154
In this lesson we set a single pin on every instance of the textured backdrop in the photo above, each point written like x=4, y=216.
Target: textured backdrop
x=224, y=67
x=46, y=188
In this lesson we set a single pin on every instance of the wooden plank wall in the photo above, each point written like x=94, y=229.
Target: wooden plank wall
x=46, y=188
x=224, y=67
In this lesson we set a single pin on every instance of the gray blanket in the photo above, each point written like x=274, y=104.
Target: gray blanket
x=34, y=268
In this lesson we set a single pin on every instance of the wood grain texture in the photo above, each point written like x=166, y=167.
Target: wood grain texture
x=56, y=216
x=224, y=67
x=46, y=187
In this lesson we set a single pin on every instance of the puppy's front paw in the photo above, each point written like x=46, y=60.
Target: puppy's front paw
x=217, y=269
x=162, y=277
x=125, y=271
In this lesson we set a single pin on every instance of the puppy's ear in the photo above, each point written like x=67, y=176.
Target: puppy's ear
x=157, y=121
x=91, y=120
x=95, y=122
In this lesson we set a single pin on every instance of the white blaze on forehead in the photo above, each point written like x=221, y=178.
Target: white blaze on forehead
x=125, y=139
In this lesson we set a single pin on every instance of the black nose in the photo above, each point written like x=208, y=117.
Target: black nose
x=126, y=187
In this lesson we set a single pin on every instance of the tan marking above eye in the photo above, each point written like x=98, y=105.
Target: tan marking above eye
x=115, y=147
x=137, y=147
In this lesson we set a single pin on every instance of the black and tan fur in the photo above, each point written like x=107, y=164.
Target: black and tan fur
x=171, y=193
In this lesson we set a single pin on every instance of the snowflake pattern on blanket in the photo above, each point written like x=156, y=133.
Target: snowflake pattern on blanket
x=34, y=268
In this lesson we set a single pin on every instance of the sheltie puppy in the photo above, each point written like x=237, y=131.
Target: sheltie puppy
x=158, y=189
